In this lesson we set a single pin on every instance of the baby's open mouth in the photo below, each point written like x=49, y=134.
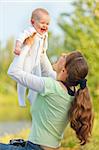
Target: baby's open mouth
x=43, y=29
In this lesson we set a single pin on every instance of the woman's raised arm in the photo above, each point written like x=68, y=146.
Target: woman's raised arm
x=17, y=73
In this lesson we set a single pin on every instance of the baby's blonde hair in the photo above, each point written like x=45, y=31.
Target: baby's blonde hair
x=36, y=13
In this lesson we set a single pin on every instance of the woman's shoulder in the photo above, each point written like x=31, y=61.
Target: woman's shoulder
x=49, y=80
x=54, y=85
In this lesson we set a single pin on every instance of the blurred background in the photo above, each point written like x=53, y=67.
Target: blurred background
x=74, y=26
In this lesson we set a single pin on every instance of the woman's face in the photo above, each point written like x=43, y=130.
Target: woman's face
x=60, y=69
x=60, y=63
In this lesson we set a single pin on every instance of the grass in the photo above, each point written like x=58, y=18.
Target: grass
x=10, y=110
x=23, y=134
x=69, y=142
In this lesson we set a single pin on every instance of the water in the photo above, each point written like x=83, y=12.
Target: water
x=13, y=127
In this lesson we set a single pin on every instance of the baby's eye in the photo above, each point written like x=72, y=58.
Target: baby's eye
x=42, y=22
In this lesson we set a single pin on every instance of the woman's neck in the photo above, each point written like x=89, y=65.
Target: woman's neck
x=62, y=85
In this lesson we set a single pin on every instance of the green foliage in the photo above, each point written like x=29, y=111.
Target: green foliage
x=6, y=55
x=81, y=33
x=55, y=46
x=10, y=110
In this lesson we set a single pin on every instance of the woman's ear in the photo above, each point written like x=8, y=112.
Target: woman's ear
x=64, y=73
x=63, y=70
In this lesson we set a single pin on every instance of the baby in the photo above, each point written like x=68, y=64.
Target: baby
x=36, y=61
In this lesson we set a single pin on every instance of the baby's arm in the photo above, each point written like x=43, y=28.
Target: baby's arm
x=24, y=35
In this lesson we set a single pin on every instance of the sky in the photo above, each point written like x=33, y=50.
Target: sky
x=15, y=15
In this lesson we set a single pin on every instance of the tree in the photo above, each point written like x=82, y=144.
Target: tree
x=6, y=55
x=81, y=33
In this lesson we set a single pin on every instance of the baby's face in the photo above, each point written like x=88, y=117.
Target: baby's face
x=41, y=25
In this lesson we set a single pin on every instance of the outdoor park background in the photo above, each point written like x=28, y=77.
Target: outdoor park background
x=79, y=30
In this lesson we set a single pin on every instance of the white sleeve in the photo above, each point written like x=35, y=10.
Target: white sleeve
x=46, y=67
x=25, y=34
x=26, y=79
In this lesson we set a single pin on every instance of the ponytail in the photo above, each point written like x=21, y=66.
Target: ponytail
x=81, y=116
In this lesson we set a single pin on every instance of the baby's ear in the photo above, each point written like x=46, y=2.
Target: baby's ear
x=32, y=21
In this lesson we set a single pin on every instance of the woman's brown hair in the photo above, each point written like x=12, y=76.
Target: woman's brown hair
x=80, y=113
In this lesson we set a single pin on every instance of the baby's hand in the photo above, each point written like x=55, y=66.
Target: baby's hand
x=29, y=41
x=17, y=51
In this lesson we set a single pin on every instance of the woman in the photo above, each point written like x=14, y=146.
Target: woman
x=56, y=103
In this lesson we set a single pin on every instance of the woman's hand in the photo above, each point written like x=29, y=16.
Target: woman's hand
x=29, y=40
